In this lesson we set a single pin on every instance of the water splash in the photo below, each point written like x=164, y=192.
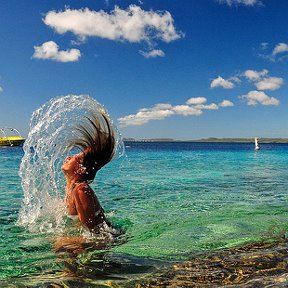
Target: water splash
x=52, y=127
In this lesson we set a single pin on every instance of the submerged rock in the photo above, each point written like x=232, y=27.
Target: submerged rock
x=254, y=265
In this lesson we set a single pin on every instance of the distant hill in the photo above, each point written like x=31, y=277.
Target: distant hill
x=212, y=140
x=150, y=140
x=244, y=140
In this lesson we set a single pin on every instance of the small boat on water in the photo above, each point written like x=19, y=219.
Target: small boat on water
x=257, y=147
x=10, y=137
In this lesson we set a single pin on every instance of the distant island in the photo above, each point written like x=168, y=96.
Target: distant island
x=212, y=140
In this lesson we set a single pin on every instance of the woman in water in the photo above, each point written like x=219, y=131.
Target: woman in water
x=97, y=143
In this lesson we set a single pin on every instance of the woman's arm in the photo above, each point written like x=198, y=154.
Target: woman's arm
x=87, y=206
x=70, y=203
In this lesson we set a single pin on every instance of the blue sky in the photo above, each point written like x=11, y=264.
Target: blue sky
x=178, y=69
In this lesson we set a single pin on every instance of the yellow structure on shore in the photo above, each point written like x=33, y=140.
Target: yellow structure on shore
x=13, y=140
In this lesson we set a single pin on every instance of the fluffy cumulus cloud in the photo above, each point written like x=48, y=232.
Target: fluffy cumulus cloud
x=253, y=75
x=262, y=81
x=241, y=2
x=192, y=107
x=270, y=83
x=50, y=50
x=133, y=24
x=259, y=97
x=153, y=53
x=226, y=103
x=278, y=53
x=211, y=106
x=186, y=110
x=221, y=82
x=280, y=48
x=145, y=115
x=196, y=101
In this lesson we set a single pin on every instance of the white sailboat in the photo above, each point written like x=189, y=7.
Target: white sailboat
x=257, y=147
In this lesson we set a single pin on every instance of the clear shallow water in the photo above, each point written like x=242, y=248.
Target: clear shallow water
x=172, y=199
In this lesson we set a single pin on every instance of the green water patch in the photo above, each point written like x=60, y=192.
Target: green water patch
x=172, y=237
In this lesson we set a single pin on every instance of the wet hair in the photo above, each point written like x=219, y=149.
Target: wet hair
x=97, y=142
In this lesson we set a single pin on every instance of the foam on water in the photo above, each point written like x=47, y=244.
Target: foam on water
x=52, y=127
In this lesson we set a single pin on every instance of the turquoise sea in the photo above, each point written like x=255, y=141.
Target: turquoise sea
x=171, y=201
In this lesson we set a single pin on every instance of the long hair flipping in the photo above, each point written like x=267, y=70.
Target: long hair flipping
x=97, y=142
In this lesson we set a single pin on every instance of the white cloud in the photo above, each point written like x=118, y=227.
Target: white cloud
x=153, y=53
x=280, y=48
x=50, y=50
x=253, y=75
x=270, y=83
x=193, y=107
x=226, y=103
x=156, y=107
x=262, y=81
x=259, y=97
x=162, y=106
x=241, y=2
x=279, y=53
x=132, y=25
x=145, y=115
x=235, y=79
x=1, y=89
x=211, y=106
x=220, y=82
x=196, y=100
x=186, y=110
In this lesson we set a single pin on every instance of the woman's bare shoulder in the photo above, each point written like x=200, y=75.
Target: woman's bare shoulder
x=84, y=187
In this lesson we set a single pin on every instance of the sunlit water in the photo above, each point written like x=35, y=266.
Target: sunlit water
x=172, y=200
